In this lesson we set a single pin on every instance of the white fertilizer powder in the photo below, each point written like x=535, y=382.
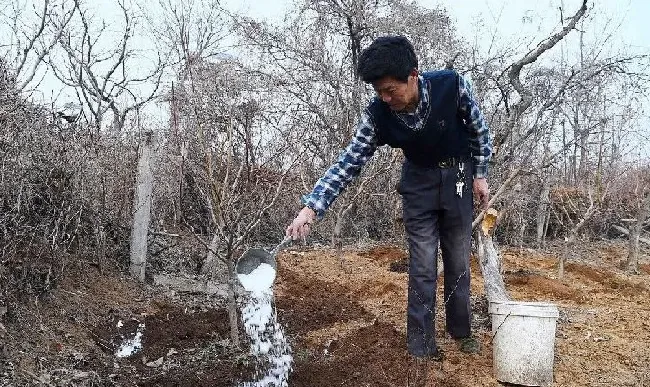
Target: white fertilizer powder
x=131, y=346
x=268, y=342
x=259, y=279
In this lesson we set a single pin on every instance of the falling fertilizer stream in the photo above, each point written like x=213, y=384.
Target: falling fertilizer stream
x=268, y=342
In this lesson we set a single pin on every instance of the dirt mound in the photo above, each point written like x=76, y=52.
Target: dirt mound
x=73, y=337
x=308, y=303
x=608, y=279
x=644, y=268
x=346, y=324
x=541, y=286
x=384, y=254
x=373, y=355
x=378, y=288
x=401, y=266
x=366, y=357
x=370, y=351
x=168, y=328
x=588, y=272
x=627, y=286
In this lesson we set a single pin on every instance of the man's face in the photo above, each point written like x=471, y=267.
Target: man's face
x=398, y=95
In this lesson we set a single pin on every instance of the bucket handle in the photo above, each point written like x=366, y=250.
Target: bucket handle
x=499, y=327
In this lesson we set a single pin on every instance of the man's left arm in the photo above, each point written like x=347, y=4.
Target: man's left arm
x=480, y=142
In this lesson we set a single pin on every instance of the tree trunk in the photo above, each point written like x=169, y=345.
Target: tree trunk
x=601, y=147
x=570, y=241
x=572, y=235
x=211, y=259
x=142, y=215
x=560, y=266
x=489, y=260
x=337, y=243
x=490, y=264
x=576, y=145
x=101, y=247
x=582, y=133
x=233, y=315
x=635, y=235
x=565, y=154
x=542, y=211
x=520, y=226
x=546, y=223
x=178, y=216
x=338, y=229
x=633, y=253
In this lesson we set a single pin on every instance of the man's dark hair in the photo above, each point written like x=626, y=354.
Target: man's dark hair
x=391, y=56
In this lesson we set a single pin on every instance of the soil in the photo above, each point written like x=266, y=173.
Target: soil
x=603, y=335
x=71, y=337
x=345, y=319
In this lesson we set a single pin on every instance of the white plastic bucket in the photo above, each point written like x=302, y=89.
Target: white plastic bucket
x=523, y=341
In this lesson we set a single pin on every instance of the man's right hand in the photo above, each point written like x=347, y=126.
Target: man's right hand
x=300, y=226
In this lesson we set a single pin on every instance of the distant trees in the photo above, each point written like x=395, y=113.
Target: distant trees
x=633, y=202
x=561, y=123
x=53, y=187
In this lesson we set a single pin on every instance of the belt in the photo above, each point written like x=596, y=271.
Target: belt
x=451, y=162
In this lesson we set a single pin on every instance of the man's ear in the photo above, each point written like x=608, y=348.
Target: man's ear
x=414, y=73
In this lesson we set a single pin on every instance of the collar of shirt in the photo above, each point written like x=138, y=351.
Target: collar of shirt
x=415, y=120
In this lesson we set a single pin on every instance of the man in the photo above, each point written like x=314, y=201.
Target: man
x=434, y=119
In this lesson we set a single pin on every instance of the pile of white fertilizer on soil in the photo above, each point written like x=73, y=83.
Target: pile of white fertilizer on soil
x=132, y=345
x=268, y=342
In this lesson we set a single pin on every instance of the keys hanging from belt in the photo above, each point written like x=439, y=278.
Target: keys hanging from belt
x=460, y=179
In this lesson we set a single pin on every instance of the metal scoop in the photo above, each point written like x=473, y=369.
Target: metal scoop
x=252, y=258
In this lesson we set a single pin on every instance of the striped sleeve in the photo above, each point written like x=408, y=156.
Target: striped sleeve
x=348, y=166
x=480, y=141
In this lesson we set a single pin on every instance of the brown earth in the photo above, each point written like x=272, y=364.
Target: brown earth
x=345, y=319
x=71, y=337
x=603, y=336
x=644, y=268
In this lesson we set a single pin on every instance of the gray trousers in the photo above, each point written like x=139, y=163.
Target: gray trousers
x=433, y=213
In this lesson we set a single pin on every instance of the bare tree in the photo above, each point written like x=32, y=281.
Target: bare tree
x=33, y=37
x=575, y=216
x=633, y=189
x=238, y=166
x=642, y=216
x=569, y=114
x=102, y=74
x=489, y=259
x=187, y=32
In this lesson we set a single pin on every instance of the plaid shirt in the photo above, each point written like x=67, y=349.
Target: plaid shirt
x=364, y=144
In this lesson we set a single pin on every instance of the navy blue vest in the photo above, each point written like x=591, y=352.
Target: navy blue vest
x=444, y=135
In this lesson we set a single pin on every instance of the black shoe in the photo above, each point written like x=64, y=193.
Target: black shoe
x=436, y=356
x=469, y=345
